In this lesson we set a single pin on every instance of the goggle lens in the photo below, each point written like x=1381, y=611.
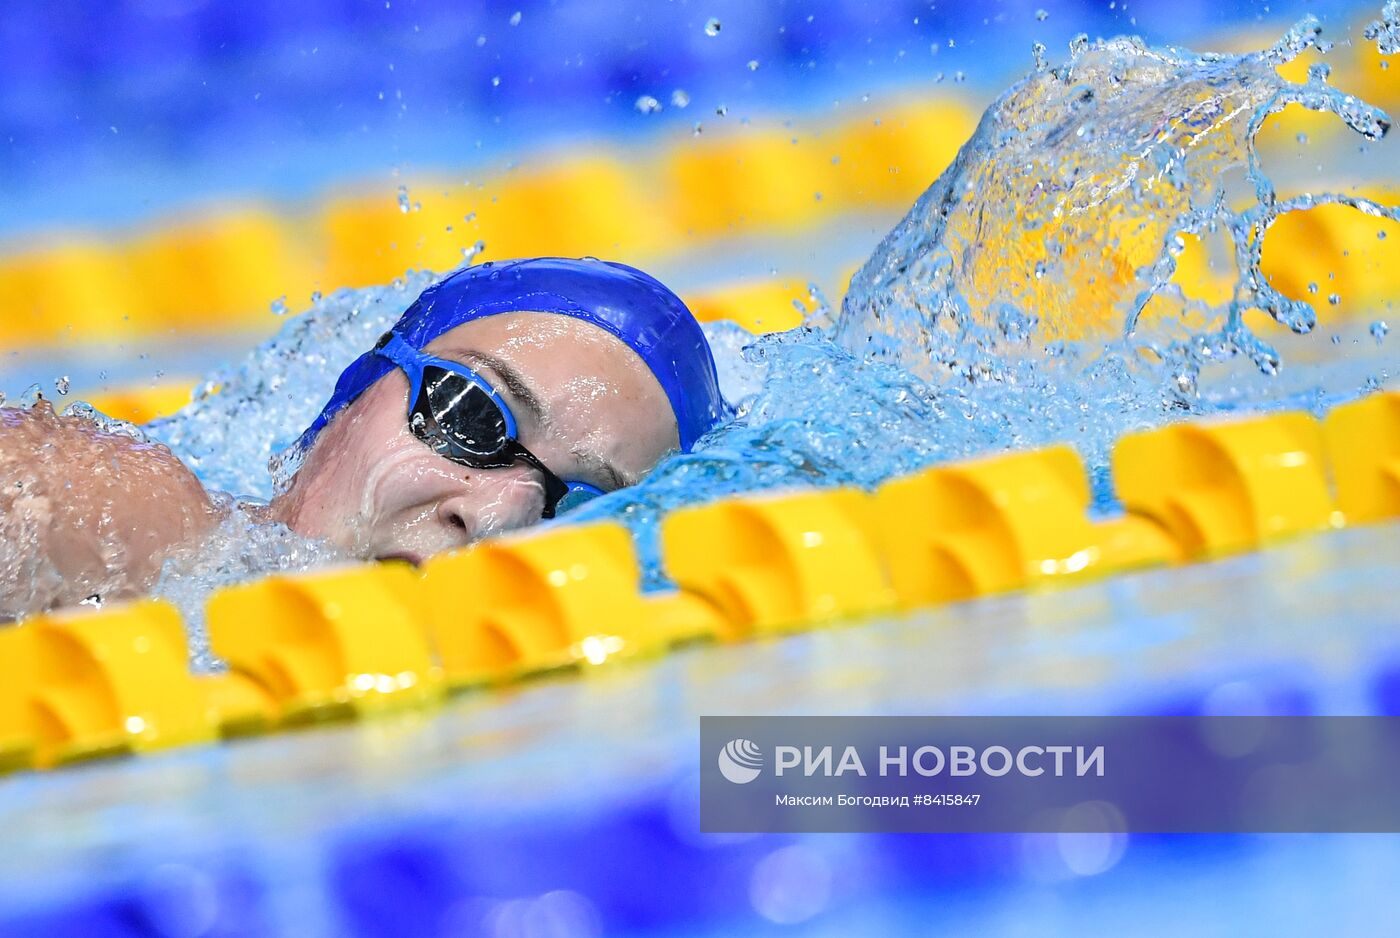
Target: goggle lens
x=465, y=416
x=460, y=421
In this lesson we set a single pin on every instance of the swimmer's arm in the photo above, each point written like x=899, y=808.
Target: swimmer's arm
x=86, y=513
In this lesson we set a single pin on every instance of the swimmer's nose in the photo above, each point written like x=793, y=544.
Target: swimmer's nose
x=457, y=515
x=499, y=500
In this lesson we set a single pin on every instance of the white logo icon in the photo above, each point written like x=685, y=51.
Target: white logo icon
x=740, y=761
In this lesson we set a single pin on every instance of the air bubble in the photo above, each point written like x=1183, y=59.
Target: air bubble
x=712, y=27
x=646, y=104
x=679, y=98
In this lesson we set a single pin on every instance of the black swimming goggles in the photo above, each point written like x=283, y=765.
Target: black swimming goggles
x=463, y=418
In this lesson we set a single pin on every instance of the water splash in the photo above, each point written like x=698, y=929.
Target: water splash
x=1071, y=203
x=1386, y=30
x=245, y=414
x=1027, y=297
x=243, y=547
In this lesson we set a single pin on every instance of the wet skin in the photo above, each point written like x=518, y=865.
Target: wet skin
x=586, y=404
x=87, y=513
x=84, y=512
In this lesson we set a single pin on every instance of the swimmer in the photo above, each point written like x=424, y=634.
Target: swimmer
x=504, y=394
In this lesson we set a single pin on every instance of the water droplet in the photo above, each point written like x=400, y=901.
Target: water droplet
x=1312, y=288
x=315, y=296
x=1379, y=328
x=958, y=77
x=1079, y=45
x=753, y=65
x=722, y=110
x=697, y=130
x=403, y=199
x=679, y=98
x=646, y=104
x=1386, y=30
x=279, y=305
x=515, y=18
x=1038, y=53
x=1380, y=235
x=1334, y=298
x=1041, y=15
x=62, y=385
x=1302, y=138
x=495, y=81
x=712, y=26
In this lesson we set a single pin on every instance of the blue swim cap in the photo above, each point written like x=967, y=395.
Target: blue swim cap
x=633, y=306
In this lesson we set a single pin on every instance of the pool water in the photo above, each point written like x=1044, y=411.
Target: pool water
x=571, y=801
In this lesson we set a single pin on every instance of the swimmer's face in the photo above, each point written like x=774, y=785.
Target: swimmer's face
x=585, y=404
